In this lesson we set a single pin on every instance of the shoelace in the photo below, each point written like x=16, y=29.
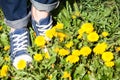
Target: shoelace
x=43, y=28
x=19, y=42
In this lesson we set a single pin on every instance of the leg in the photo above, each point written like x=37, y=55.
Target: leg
x=41, y=14
x=15, y=12
x=16, y=16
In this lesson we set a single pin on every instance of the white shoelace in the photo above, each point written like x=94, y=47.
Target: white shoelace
x=20, y=42
x=42, y=28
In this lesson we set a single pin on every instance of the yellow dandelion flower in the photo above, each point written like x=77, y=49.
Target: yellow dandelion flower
x=6, y=47
x=81, y=31
x=61, y=36
x=93, y=37
x=61, y=39
x=21, y=64
x=85, y=51
x=74, y=17
x=40, y=41
x=107, y=56
x=79, y=36
x=105, y=34
x=56, y=49
x=59, y=26
x=38, y=57
x=109, y=64
x=46, y=55
x=7, y=58
x=87, y=27
x=4, y=71
x=100, y=48
x=66, y=74
x=117, y=49
x=1, y=28
x=69, y=44
x=50, y=33
x=63, y=52
x=72, y=58
x=89, y=72
x=50, y=77
x=76, y=52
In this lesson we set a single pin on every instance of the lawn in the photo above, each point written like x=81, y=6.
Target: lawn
x=84, y=44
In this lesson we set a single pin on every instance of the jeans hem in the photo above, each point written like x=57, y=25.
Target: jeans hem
x=45, y=7
x=17, y=24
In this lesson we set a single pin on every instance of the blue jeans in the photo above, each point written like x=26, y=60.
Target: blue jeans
x=16, y=11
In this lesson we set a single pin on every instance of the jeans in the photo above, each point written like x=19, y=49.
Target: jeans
x=16, y=11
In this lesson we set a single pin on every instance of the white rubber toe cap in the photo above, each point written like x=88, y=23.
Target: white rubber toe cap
x=25, y=57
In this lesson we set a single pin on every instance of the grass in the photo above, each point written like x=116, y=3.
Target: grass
x=105, y=17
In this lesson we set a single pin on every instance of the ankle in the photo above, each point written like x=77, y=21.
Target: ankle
x=12, y=30
x=38, y=15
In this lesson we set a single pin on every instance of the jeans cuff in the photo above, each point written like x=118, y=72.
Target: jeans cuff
x=45, y=7
x=17, y=24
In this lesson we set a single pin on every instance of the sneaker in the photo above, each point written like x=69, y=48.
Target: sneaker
x=19, y=41
x=43, y=25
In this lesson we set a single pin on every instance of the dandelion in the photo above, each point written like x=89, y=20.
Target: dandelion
x=7, y=58
x=100, y=48
x=6, y=47
x=105, y=34
x=4, y=71
x=88, y=72
x=1, y=28
x=81, y=31
x=21, y=64
x=50, y=77
x=85, y=51
x=38, y=57
x=117, y=49
x=66, y=74
x=59, y=26
x=107, y=56
x=40, y=41
x=72, y=58
x=109, y=64
x=76, y=52
x=74, y=17
x=61, y=36
x=61, y=39
x=56, y=49
x=93, y=37
x=79, y=36
x=63, y=52
x=50, y=33
x=46, y=55
x=87, y=27
x=69, y=44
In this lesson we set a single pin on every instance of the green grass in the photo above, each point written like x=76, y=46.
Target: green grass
x=103, y=14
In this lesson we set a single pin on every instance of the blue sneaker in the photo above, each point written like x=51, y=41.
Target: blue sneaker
x=20, y=41
x=43, y=25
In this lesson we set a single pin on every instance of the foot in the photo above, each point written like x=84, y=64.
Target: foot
x=42, y=26
x=41, y=21
x=20, y=41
